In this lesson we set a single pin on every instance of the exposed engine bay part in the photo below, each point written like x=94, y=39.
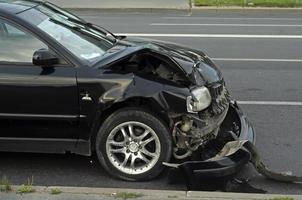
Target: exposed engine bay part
x=192, y=132
x=151, y=64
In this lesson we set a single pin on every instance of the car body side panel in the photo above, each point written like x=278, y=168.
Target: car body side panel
x=38, y=102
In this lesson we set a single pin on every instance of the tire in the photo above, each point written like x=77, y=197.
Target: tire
x=145, y=152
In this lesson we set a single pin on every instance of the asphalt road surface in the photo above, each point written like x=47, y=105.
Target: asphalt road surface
x=260, y=54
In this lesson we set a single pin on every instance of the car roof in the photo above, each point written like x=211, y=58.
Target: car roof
x=15, y=6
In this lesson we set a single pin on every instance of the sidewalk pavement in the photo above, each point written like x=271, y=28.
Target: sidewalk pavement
x=123, y=4
x=81, y=193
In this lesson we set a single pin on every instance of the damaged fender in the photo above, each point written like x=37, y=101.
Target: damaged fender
x=164, y=98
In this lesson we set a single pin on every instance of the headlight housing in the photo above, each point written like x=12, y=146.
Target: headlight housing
x=200, y=100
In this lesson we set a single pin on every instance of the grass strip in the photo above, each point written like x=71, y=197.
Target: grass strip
x=250, y=3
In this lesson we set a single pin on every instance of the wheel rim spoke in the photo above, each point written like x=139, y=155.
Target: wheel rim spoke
x=133, y=158
x=143, y=158
x=117, y=144
x=148, y=153
x=147, y=141
x=141, y=137
x=126, y=137
x=122, y=150
x=127, y=156
x=130, y=128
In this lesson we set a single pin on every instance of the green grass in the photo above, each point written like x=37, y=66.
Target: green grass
x=23, y=189
x=282, y=198
x=26, y=188
x=127, y=195
x=55, y=191
x=5, y=185
x=250, y=3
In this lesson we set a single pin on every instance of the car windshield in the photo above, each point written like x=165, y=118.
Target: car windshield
x=85, y=42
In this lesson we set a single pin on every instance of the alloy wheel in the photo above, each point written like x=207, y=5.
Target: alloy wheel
x=133, y=147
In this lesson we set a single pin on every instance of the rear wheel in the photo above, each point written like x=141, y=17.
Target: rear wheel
x=132, y=144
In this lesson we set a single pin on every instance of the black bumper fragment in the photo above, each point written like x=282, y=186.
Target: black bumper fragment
x=199, y=173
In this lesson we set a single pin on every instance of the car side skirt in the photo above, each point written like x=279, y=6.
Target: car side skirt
x=45, y=145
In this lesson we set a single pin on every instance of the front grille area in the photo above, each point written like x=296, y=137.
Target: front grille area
x=216, y=90
x=220, y=98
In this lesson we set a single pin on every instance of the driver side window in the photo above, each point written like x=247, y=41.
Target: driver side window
x=16, y=45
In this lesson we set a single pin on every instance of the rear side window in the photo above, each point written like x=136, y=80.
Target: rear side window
x=17, y=45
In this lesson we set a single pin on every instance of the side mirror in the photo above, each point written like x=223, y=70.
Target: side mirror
x=43, y=57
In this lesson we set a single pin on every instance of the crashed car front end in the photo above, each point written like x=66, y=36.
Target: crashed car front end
x=202, y=136
x=212, y=120
x=211, y=112
x=188, y=90
x=222, y=122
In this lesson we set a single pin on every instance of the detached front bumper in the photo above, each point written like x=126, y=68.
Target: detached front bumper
x=229, y=160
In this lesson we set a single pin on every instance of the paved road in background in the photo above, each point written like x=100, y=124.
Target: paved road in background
x=256, y=68
x=178, y=4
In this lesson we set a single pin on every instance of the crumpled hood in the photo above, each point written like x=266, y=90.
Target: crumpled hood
x=172, y=49
x=192, y=62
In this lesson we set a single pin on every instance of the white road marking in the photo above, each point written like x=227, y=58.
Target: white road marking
x=239, y=18
x=271, y=103
x=230, y=25
x=257, y=59
x=211, y=35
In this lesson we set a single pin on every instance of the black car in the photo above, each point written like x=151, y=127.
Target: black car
x=67, y=85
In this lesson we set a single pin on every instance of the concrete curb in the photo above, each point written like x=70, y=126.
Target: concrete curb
x=109, y=193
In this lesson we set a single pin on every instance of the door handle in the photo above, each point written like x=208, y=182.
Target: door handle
x=86, y=97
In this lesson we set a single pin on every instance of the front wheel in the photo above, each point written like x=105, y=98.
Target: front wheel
x=132, y=144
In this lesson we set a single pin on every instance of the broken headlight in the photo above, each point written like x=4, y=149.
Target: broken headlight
x=200, y=100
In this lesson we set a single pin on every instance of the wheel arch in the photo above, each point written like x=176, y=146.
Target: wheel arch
x=142, y=103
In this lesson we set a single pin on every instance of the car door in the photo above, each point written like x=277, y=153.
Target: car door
x=35, y=101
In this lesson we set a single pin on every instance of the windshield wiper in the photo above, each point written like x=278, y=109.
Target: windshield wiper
x=99, y=28
x=79, y=21
x=81, y=30
x=94, y=27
